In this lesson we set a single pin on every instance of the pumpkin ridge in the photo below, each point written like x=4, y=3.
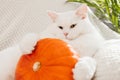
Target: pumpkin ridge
x=22, y=73
x=54, y=72
x=43, y=49
x=48, y=60
x=53, y=58
x=43, y=75
x=48, y=43
x=65, y=59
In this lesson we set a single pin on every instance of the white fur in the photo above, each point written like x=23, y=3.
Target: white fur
x=108, y=59
x=87, y=41
x=84, y=69
x=28, y=42
x=8, y=60
x=10, y=56
x=84, y=38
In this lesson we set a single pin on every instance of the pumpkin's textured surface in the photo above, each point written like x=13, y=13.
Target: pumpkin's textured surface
x=52, y=59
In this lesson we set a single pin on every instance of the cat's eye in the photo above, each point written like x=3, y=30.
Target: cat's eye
x=60, y=27
x=73, y=25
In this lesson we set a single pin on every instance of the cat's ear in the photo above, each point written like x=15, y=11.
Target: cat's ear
x=53, y=15
x=82, y=11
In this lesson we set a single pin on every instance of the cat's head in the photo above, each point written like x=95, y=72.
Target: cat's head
x=71, y=24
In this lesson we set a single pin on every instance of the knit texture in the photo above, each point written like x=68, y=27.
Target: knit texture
x=108, y=60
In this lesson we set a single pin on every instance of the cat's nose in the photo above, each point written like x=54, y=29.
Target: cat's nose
x=65, y=34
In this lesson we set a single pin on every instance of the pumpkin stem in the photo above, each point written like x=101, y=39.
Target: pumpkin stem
x=36, y=66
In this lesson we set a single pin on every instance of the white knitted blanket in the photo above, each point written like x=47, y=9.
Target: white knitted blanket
x=108, y=60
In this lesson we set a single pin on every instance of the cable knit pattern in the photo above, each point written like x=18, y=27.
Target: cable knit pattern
x=108, y=60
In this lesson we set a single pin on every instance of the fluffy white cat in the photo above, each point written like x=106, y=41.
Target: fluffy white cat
x=75, y=28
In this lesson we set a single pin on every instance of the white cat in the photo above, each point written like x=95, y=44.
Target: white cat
x=76, y=29
x=73, y=27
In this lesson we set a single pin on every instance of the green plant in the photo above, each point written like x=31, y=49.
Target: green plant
x=108, y=10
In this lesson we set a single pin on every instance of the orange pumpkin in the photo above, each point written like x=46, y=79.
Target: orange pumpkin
x=52, y=59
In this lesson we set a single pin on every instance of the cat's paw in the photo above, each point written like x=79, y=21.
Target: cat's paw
x=28, y=43
x=84, y=69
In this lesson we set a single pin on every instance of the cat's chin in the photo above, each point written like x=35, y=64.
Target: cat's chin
x=69, y=38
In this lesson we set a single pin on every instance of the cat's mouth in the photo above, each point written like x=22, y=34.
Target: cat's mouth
x=69, y=38
x=74, y=37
